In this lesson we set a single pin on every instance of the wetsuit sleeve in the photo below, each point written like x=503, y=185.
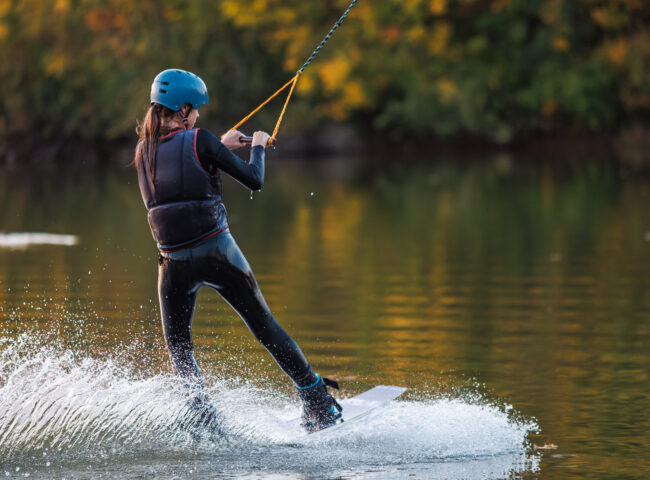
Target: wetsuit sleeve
x=214, y=156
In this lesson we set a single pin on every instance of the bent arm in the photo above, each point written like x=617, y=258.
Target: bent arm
x=214, y=156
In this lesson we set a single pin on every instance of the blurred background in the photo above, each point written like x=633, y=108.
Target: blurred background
x=458, y=204
x=498, y=71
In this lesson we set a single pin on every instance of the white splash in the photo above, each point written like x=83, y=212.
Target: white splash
x=52, y=401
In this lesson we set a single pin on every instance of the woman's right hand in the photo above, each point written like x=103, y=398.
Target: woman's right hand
x=231, y=139
x=260, y=138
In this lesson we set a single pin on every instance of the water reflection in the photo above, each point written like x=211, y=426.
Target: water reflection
x=529, y=278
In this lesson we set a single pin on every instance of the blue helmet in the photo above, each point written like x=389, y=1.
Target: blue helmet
x=173, y=88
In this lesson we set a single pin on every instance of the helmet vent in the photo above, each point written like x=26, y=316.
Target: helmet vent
x=165, y=83
x=163, y=91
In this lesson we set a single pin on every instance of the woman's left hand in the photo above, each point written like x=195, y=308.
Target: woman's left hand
x=231, y=139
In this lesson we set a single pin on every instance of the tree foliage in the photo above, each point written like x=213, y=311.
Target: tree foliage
x=445, y=67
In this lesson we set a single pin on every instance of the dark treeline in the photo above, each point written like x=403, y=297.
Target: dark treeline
x=486, y=68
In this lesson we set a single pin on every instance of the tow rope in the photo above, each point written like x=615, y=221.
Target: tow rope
x=273, y=139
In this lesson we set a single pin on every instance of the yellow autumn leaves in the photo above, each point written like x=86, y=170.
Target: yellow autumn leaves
x=436, y=66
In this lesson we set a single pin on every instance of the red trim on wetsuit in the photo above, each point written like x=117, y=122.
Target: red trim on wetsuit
x=171, y=133
x=196, y=156
x=171, y=250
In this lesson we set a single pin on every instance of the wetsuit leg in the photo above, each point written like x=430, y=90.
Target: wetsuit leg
x=224, y=267
x=177, y=289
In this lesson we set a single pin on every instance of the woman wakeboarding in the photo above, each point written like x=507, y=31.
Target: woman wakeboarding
x=179, y=172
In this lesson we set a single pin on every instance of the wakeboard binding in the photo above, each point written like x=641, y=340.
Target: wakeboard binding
x=320, y=410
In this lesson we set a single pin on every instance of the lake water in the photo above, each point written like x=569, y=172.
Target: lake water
x=511, y=296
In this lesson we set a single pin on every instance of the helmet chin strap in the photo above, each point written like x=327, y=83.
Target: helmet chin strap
x=184, y=119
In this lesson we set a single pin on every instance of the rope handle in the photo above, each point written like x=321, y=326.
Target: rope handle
x=246, y=139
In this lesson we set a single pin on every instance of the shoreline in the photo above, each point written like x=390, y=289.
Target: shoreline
x=631, y=146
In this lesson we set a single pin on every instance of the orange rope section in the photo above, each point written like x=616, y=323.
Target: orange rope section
x=294, y=80
x=291, y=82
x=286, y=102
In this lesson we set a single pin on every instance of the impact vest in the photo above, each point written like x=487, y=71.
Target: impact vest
x=183, y=200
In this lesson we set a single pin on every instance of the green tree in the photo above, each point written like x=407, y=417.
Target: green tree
x=492, y=68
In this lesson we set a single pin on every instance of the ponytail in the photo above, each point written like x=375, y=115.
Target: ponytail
x=149, y=132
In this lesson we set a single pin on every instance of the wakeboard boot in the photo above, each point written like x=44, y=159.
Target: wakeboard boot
x=320, y=410
x=202, y=414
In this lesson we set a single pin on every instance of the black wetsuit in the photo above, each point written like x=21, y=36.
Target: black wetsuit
x=216, y=261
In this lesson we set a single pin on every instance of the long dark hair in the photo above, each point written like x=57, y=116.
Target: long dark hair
x=149, y=132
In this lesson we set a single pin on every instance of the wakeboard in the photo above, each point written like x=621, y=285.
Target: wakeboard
x=358, y=407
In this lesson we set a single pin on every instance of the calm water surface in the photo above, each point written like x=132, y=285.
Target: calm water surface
x=511, y=297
